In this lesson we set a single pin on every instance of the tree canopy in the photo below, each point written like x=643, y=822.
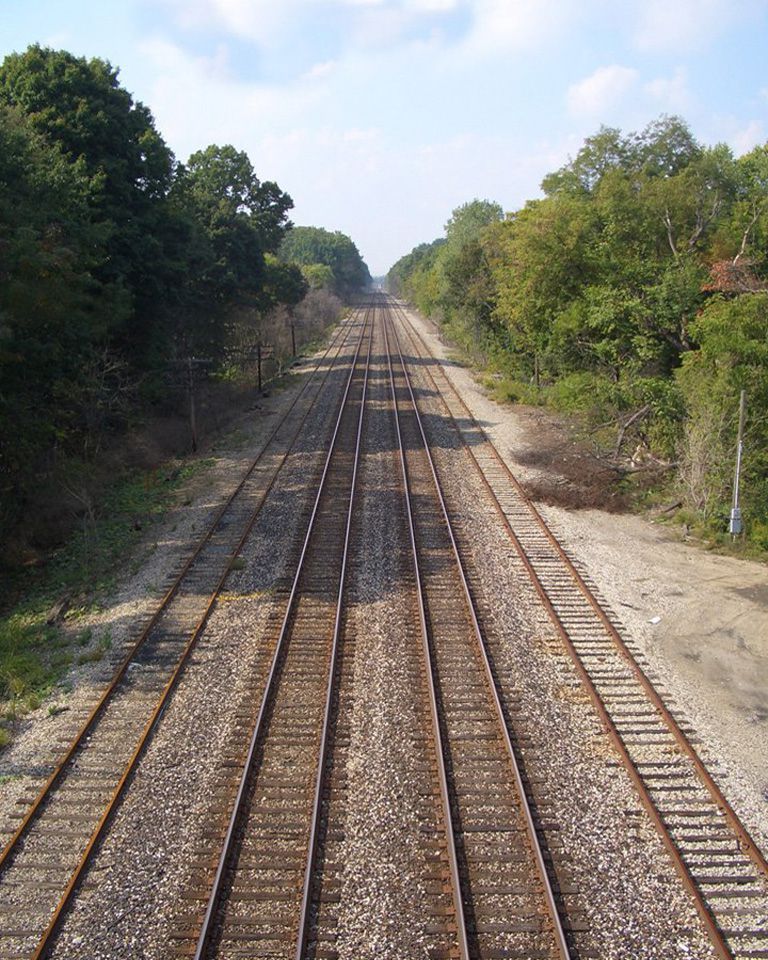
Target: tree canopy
x=633, y=291
x=116, y=260
x=308, y=246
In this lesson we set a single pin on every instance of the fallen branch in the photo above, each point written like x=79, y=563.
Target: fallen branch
x=637, y=415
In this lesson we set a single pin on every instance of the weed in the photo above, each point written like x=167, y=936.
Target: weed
x=33, y=701
x=96, y=653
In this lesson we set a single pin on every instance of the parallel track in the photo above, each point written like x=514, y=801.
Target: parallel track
x=272, y=887
x=46, y=857
x=259, y=890
x=503, y=897
x=720, y=865
x=268, y=892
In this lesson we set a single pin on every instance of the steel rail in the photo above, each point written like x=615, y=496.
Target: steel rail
x=563, y=949
x=214, y=898
x=746, y=841
x=451, y=842
x=121, y=670
x=66, y=897
x=707, y=917
x=306, y=898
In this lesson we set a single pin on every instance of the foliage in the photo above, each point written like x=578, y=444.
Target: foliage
x=309, y=246
x=732, y=356
x=599, y=299
x=118, y=264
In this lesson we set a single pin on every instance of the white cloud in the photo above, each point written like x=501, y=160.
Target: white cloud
x=675, y=25
x=196, y=101
x=601, y=90
x=270, y=21
x=320, y=70
x=496, y=25
x=431, y=6
x=514, y=25
x=743, y=140
x=672, y=93
x=258, y=20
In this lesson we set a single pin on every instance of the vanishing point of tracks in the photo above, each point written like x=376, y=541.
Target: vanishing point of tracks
x=269, y=879
x=492, y=893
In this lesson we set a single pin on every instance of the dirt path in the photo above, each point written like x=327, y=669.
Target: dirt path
x=702, y=619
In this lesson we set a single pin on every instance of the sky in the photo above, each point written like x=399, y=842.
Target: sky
x=379, y=117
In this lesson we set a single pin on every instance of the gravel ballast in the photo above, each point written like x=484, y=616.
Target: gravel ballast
x=625, y=891
x=701, y=620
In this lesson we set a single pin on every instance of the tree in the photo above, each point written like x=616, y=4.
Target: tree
x=319, y=276
x=54, y=317
x=733, y=355
x=79, y=105
x=312, y=245
x=468, y=220
x=604, y=151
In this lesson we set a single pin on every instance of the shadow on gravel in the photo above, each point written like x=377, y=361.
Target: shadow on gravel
x=571, y=474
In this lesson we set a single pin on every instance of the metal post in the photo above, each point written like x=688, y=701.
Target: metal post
x=258, y=364
x=293, y=338
x=736, y=526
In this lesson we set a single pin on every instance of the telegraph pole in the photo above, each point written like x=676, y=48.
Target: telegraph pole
x=192, y=413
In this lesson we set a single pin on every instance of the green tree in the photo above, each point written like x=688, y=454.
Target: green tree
x=319, y=276
x=311, y=245
x=54, y=317
x=80, y=105
x=733, y=355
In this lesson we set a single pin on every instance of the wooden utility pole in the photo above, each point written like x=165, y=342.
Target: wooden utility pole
x=192, y=412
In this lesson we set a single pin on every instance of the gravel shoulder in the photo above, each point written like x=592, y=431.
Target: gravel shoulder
x=42, y=735
x=701, y=619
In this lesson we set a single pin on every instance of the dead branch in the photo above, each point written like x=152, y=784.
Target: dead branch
x=637, y=415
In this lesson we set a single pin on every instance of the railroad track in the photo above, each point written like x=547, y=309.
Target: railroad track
x=503, y=897
x=275, y=884
x=257, y=891
x=722, y=868
x=45, y=858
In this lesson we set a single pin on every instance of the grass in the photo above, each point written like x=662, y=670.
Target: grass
x=34, y=655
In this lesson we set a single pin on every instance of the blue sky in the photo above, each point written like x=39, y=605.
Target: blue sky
x=380, y=116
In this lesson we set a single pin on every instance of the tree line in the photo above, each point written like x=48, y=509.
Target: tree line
x=117, y=261
x=633, y=294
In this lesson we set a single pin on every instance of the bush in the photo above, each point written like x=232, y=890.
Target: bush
x=732, y=355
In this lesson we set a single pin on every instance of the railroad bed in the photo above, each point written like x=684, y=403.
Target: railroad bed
x=47, y=853
x=399, y=473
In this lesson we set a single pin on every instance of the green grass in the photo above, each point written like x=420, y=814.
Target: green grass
x=35, y=655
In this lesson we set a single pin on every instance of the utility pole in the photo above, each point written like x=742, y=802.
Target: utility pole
x=735, y=527
x=192, y=414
